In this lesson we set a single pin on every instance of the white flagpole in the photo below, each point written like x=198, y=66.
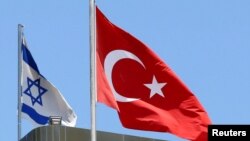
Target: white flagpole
x=20, y=32
x=92, y=68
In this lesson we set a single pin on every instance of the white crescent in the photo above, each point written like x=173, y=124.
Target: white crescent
x=111, y=59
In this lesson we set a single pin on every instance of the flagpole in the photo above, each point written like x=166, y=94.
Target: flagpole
x=92, y=68
x=19, y=122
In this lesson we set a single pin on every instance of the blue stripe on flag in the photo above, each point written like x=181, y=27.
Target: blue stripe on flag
x=27, y=57
x=40, y=119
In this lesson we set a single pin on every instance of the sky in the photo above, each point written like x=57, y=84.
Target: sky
x=206, y=43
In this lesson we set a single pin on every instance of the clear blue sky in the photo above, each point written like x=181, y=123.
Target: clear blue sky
x=207, y=43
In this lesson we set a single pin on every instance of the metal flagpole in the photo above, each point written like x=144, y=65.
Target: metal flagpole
x=92, y=68
x=20, y=32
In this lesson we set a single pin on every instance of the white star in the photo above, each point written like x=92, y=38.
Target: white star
x=155, y=87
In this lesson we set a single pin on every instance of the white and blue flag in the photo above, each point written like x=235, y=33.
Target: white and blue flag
x=39, y=98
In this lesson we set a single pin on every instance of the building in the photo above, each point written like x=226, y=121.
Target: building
x=63, y=133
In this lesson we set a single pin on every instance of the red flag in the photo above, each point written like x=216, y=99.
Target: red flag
x=146, y=93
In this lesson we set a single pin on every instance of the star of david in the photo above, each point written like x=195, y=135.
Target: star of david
x=35, y=91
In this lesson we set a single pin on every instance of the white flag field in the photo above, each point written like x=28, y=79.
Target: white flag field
x=39, y=98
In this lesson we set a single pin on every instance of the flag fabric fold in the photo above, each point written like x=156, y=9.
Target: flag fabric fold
x=146, y=93
x=40, y=99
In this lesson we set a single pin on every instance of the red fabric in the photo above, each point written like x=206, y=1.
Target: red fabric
x=177, y=111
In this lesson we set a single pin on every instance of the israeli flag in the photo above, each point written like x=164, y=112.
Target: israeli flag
x=39, y=98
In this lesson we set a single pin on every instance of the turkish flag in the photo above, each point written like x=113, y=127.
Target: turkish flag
x=146, y=93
